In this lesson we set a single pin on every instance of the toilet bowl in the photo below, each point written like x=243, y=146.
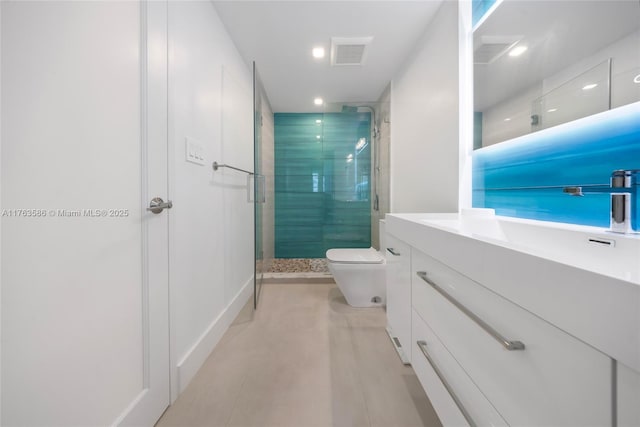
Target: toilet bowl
x=360, y=275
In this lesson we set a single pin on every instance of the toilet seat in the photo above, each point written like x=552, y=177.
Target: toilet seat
x=355, y=256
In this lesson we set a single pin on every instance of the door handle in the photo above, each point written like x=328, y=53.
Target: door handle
x=157, y=205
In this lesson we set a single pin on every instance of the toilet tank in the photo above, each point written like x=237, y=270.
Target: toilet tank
x=383, y=237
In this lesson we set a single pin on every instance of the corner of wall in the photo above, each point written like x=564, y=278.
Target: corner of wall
x=195, y=357
x=465, y=68
x=425, y=156
x=211, y=228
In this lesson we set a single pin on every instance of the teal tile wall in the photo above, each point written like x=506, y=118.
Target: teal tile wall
x=322, y=200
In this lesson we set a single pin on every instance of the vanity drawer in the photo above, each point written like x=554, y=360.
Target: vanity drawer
x=469, y=406
x=555, y=380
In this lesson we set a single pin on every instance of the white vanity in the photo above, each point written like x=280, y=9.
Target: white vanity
x=517, y=322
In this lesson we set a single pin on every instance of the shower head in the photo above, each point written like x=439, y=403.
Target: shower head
x=354, y=109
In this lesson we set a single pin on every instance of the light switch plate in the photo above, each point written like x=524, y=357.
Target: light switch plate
x=194, y=151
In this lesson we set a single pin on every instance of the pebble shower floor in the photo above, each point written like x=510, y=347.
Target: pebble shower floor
x=299, y=265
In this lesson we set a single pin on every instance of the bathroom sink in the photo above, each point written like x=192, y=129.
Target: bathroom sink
x=590, y=248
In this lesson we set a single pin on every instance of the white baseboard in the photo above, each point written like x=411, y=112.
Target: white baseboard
x=198, y=353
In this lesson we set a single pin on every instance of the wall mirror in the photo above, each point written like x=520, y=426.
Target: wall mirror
x=539, y=64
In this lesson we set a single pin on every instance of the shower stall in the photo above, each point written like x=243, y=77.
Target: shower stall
x=330, y=182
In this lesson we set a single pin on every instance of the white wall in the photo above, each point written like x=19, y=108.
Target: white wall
x=424, y=131
x=211, y=228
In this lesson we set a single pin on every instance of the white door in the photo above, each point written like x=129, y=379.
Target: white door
x=84, y=264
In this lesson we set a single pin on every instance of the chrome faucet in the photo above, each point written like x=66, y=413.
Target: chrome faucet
x=624, y=199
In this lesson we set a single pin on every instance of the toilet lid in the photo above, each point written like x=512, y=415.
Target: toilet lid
x=355, y=256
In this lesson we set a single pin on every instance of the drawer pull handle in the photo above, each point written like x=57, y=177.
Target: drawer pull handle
x=508, y=344
x=393, y=252
x=423, y=347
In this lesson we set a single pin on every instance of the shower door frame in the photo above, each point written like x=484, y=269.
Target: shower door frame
x=258, y=189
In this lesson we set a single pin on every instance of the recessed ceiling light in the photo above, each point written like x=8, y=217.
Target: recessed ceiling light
x=551, y=110
x=518, y=50
x=318, y=101
x=318, y=52
x=590, y=86
x=636, y=79
x=508, y=119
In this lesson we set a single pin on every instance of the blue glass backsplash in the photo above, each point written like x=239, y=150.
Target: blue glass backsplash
x=524, y=177
x=322, y=175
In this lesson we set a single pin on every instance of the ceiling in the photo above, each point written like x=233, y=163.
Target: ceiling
x=279, y=37
x=558, y=33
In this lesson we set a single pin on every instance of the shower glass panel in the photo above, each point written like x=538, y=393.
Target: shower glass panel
x=258, y=189
x=322, y=182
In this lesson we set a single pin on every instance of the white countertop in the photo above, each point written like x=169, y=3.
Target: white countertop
x=588, y=289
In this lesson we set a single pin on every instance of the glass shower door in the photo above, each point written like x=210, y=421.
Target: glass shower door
x=259, y=187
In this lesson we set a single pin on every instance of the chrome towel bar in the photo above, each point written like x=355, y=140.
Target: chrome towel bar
x=260, y=190
x=217, y=166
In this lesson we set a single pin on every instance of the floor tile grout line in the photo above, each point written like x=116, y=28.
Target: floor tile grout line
x=358, y=374
x=239, y=394
x=236, y=398
x=245, y=376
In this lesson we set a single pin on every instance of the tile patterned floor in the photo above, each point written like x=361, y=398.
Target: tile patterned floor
x=305, y=358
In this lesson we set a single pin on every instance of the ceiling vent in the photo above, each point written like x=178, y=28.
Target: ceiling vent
x=349, y=50
x=491, y=48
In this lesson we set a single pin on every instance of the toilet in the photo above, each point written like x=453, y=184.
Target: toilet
x=360, y=274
